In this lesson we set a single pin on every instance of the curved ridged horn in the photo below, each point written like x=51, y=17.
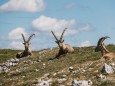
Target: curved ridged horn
x=30, y=37
x=102, y=39
x=62, y=34
x=54, y=36
x=105, y=49
x=100, y=43
x=23, y=37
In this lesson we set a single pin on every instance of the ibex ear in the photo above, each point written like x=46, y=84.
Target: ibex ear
x=63, y=41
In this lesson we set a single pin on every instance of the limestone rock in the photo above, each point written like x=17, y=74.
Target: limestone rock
x=5, y=67
x=82, y=83
x=107, y=69
x=43, y=83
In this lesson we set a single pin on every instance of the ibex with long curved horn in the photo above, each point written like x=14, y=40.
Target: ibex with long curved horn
x=27, y=50
x=101, y=47
x=63, y=48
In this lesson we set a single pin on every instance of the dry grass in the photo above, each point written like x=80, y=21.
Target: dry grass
x=31, y=69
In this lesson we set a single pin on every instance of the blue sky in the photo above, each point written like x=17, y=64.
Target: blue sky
x=86, y=20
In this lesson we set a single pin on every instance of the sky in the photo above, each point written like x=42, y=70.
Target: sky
x=86, y=20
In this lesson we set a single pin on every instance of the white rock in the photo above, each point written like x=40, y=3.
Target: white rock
x=71, y=69
x=44, y=64
x=82, y=83
x=43, y=83
x=103, y=77
x=107, y=69
x=12, y=60
x=112, y=64
x=10, y=64
x=36, y=70
x=64, y=76
x=5, y=67
x=54, y=74
x=61, y=80
x=83, y=70
x=46, y=75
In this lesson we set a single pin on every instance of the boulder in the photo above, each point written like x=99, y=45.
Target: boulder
x=107, y=69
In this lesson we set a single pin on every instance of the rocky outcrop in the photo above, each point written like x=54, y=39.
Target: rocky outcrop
x=5, y=67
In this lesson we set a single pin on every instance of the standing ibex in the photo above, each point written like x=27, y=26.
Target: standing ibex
x=101, y=47
x=63, y=48
x=27, y=50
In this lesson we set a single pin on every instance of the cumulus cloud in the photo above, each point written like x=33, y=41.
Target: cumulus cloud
x=23, y=5
x=16, y=45
x=85, y=44
x=46, y=24
x=16, y=33
x=15, y=39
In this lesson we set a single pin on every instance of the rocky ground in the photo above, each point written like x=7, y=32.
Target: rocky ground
x=82, y=68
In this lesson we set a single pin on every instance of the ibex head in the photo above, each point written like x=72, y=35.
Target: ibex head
x=27, y=42
x=100, y=44
x=59, y=41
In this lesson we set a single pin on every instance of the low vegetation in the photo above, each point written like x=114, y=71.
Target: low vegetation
x=85, y=62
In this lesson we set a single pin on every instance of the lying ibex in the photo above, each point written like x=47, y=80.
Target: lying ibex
x=63, y=48
x=27, y=50
x=101, y=47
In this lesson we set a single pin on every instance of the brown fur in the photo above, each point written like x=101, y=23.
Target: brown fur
x=27, y=50
x=63, y=48
x=104, y=51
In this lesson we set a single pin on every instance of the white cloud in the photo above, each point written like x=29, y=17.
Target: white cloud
x=16, y=33
x=16, y=45
x=23, y=5
x=85, y=27
x=70, y=5
x=46, y=24
x=85, y=44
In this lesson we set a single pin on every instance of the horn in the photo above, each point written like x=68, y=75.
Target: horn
x=23, y=37
x=102, y=39
x=62, y=34
x=103, y=46
x=30, y=37
x=54, y=36
x=100, y=44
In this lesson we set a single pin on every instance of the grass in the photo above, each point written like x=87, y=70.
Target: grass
x=29, y=73
x=6, y=54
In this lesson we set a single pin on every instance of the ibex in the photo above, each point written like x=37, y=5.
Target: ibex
x=101, y=47
x=27, y=50
x=63, y=48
